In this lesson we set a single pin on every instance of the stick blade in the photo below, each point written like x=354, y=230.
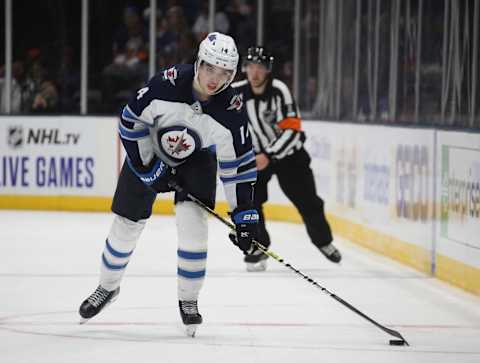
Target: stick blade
x=398, y=342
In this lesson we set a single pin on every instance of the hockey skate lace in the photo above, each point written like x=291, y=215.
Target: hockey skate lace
x=189, y=307
x=98, y=296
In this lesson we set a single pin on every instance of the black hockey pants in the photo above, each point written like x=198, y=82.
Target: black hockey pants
x=134, y=200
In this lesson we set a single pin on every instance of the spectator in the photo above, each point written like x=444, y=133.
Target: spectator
x=45, y=95
x=132, y=29
x=176, y=21
x=200, y=27
x=186, y=49
x=165, y=38
x=242, y=23
x=128, y=69
x=68, y=80
x=184, y=46
x=21, y=89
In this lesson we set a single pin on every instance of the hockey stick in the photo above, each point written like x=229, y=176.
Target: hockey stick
x=279, y=259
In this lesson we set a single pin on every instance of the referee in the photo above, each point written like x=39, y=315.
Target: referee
x=275, y=128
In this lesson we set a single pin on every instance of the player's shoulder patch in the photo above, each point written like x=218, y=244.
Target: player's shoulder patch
x=236, y=102
x=177, y=74
x=170, y=74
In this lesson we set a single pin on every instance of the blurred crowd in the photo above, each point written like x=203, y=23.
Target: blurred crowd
x=44, y=85
x=35, y=88
x=398, y=71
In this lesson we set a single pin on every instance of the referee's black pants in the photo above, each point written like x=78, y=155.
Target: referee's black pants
x=297, y=182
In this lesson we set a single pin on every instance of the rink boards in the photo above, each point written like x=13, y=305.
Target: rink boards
x=409, y=193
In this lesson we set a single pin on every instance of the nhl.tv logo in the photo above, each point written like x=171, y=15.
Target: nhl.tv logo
x=18, y=137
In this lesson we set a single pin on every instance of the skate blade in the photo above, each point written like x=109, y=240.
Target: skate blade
x=257, y=266
x=190, y=330
x=83, y=321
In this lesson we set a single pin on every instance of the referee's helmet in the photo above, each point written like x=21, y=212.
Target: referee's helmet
x=258, y=54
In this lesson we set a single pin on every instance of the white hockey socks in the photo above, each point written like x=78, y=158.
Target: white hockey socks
x=119, y=247
x=192, y=229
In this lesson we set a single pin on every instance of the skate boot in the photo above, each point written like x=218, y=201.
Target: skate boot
x=191, y=318
x=331, y=252
x=256, y=261
x=96, y=302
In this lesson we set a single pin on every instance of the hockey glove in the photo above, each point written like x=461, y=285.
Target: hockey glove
x=155, y=175
x=246, y=223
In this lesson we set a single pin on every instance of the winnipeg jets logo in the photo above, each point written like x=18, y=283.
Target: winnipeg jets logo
x=236, y=103
x=170, y=74
x=178, y=144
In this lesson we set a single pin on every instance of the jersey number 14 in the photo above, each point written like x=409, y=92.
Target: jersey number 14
x=243, y=134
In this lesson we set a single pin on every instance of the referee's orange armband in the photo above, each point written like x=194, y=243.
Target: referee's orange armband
x=293, y=123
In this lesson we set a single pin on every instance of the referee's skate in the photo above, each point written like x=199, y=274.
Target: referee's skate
x=256, y=262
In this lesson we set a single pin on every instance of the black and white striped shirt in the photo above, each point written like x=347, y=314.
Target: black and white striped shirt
x=274, y=120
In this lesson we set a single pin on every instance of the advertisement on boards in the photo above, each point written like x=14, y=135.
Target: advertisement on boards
x=376, y=176
x=458, y=190
x=58, y=155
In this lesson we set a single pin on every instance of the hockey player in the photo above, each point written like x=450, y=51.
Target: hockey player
x=168, y=130
x=275, y=126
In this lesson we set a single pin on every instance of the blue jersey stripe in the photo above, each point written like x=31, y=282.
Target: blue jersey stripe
x=237, y=162
x=116, y=253
x=112, y=266
x=128, y=115
x=132, y=134
x=191, y=255
x=190, y=274
x=252, y=175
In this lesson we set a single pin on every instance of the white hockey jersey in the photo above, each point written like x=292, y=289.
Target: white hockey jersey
x=164, y=123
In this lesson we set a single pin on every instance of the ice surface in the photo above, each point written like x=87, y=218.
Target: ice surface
x=50, y=263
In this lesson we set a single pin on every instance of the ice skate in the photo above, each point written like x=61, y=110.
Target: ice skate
x=331, y=252
x=256, y=261
x=191, y=318
x=96, y=302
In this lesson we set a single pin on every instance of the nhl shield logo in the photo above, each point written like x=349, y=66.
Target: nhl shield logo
x=15, y=137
